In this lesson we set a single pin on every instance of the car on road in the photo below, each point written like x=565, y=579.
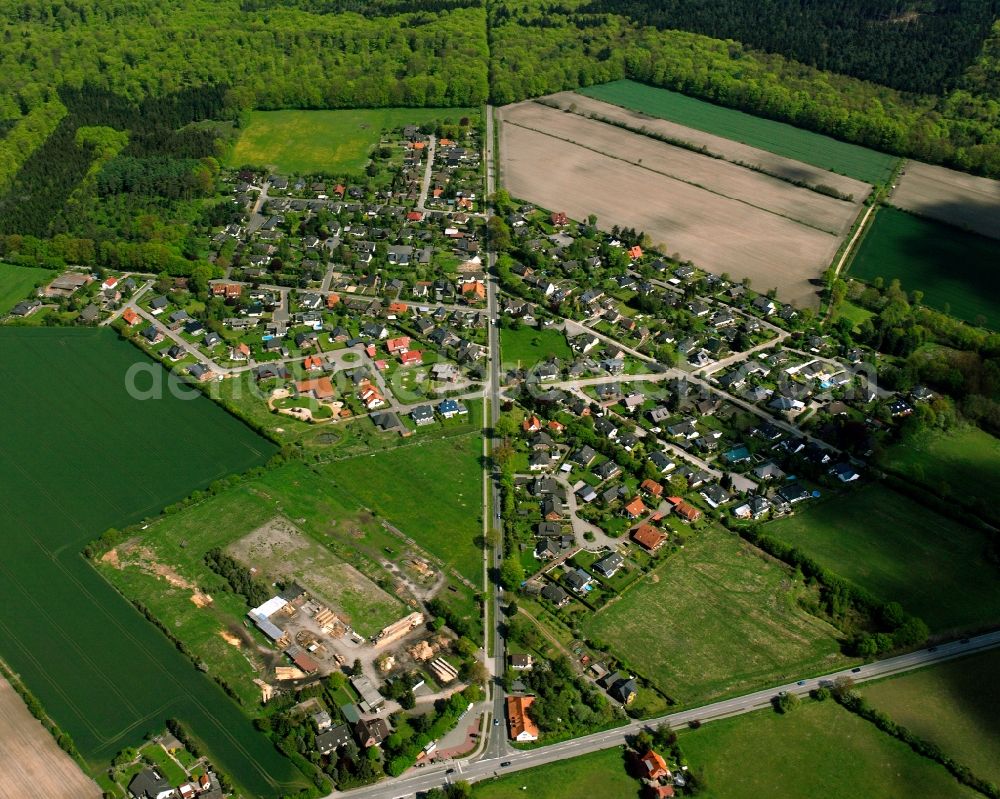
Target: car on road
x=496, y=722
x=856, y=669
x=505, y=764
x=801, y=682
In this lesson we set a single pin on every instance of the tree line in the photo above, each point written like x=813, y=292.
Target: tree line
x=923, y=49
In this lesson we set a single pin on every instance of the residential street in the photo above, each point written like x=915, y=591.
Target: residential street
x=425, y=186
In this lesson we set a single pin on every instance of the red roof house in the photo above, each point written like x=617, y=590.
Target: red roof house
x=635, y=508
x=684, y=510
x=652, y=488
x=654, y=767
x=401, y=344
x=648, y=537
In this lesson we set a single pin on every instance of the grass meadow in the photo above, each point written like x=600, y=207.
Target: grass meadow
x=955, y=705
x=779, y=138
x=79, y=455
x=899, y=550
x=964, y=461
x=432, y=491
x=331, y=142
x=819, y=749
x=529, y=345
x=599, y=774
x=955, y=269
x=715, y=619
x=17, y=281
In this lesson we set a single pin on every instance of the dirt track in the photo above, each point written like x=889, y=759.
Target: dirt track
x=30, y=762
x=732, y=150
x=719, y=233
x=954, y=197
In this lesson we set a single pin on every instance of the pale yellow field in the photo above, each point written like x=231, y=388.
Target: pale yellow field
x=733, y=151
x=962, y=200
x=734, y=220
x=31, y=764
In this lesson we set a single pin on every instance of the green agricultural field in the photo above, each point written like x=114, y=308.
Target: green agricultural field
x=600, y=774
x=724, y=617
x=529, y=345
x=432, y=491
x=955, y=705
x=819, y=749
x=963, y=462
x=79, y=455
x=332, y=142
x=955, y=269
x=775, y=137
x=16, y=283
x=902, y=551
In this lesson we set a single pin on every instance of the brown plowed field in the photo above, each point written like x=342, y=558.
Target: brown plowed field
x=31, y=764
x=962, y=200
x=712, y=174
x=721, y=217
x=734, y=151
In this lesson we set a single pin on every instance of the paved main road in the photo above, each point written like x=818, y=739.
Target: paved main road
x=496, y=734
x=419, y=780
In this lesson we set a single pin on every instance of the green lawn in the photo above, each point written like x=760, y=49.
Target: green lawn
x=16, y=283
x=528, y=346
x=855, y=313
x=332, y=142
x=820, y=749
x=165, y=764
x=963, y=462
x=432, y=491
x=715, y=619
x=901, y=551
x=955, y=705
x=600, y=774
x=78, y=454
x=775, y=137
x=955, y=269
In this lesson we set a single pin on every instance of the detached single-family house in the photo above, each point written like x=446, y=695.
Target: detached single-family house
x=635, y=508
x=624, y=690
x=150, y=784
x=609, y=565
x=422, y=414
x=554, y=594
x=330, y=740
x=521, y=662
x=648, y=537
x=578, y=580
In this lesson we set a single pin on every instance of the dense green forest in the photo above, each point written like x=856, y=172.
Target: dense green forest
x=921, y=46
x=539, y=47
x=274, y=54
